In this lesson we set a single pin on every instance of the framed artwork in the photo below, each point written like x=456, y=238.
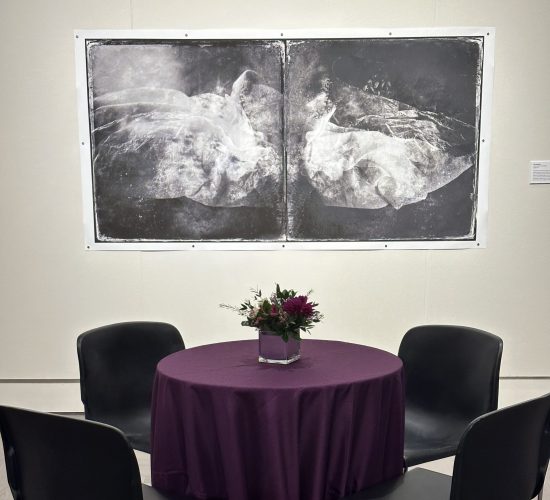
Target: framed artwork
x=348, y=139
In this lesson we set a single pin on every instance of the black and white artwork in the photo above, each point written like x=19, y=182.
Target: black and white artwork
x=330, y=140
x=186, y=139
x=383, y=141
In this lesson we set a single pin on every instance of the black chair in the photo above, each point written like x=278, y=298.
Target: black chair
x=503, y=455
x=50, y=457
x=117, y=368
x=451, y=378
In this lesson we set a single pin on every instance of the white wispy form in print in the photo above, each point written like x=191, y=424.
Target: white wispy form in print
x=369, y=151
x=207, y=147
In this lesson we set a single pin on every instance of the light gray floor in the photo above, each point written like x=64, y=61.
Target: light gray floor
x=4, y=488
x=144, y=463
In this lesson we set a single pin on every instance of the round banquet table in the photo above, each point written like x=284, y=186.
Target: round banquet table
x=227, y=427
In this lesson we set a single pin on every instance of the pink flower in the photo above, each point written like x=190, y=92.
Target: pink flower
x=298, y=306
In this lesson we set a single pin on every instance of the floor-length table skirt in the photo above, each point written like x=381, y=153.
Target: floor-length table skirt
x=227, y=427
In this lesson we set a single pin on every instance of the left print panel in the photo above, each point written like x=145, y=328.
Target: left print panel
x=186, y=139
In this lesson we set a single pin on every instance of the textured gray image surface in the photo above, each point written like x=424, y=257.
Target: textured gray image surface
x=262, y=140
x=187, y=140
x=382, y=139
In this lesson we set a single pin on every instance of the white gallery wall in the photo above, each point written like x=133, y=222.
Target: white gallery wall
x=52, y=289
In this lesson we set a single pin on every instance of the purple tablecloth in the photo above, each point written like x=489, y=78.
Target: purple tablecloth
x=227, y=427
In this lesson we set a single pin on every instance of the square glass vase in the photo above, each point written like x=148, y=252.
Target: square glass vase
x=273, y=349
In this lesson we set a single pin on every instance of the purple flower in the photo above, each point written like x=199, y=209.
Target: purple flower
x=298, y=306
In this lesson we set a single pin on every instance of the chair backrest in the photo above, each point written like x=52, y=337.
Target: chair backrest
x=50, y=457
x=118, y=362
x=503, y=455
x=451, y=369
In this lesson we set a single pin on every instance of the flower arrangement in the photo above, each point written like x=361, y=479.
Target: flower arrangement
x=284, y=313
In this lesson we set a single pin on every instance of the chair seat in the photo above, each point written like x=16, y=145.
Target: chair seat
x=136, y=427
x=430, y=437
x=152, y=494
x=417, y=484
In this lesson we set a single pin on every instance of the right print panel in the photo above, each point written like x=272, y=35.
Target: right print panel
x=382, y=138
